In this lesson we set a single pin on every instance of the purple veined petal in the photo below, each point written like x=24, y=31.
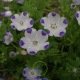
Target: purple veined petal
x=21, y=43
x=53, y=14
x=62, y=34
x=24, y=13
x=42, y=21
x=29, y=30
x=46, y=46
x=13, y=27
x=25, y=72
x=32, y=53
x=77, y=15
x=12, y=17
x=44, y=33
x=31, y=22
x=65, y=21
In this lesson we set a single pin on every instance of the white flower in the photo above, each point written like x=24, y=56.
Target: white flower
x=23, y=52
x=76, y=2
x=55, y=24
x=31, y=74
x=8, y=38
x=34, y=41
x=7, y=13
x=20, y=1
x=77, y=15
x=7, y=0
x=22, y=21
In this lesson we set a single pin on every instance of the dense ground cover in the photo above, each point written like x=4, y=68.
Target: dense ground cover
x=63, y=56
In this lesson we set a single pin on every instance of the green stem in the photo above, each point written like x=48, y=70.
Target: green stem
x=42, y=63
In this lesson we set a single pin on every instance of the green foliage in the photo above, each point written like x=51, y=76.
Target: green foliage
x=63, y=56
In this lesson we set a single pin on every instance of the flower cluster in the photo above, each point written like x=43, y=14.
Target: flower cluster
x=36, y=40
x=32, y=74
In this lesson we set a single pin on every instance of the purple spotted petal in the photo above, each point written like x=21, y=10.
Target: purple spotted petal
x=32, y=22
x=32, y=53
x=29, y=30
x=24, y=13
x=13, y=27
x=62, y=34
x=42, y=21
x=65, y=21
x=13, y=17
x=24, y=72
x=53, y=14
x=46, y=46
x=21, y=43
x=77, y=15
x=44, y=33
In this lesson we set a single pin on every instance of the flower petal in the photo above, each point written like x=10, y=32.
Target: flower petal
x=30, y=32
x=57, y=32
x=62, y=22
x=24, y=42
x=41, y=36
x=32, y=50
x=44, y=46
x=53, y=17
x=77, y=15
x=25, y=72
x=8, y=38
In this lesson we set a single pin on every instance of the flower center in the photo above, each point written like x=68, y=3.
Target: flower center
x=35, y=42
x=21, y=22
x=53, y=26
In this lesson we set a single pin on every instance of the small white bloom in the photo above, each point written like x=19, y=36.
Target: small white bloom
x=22, y=21
x=31, y=74
x=23, y=52
x=55, y=24
x=77, y=15
x=8, y=38
x=34, y=41
x=7, y=13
